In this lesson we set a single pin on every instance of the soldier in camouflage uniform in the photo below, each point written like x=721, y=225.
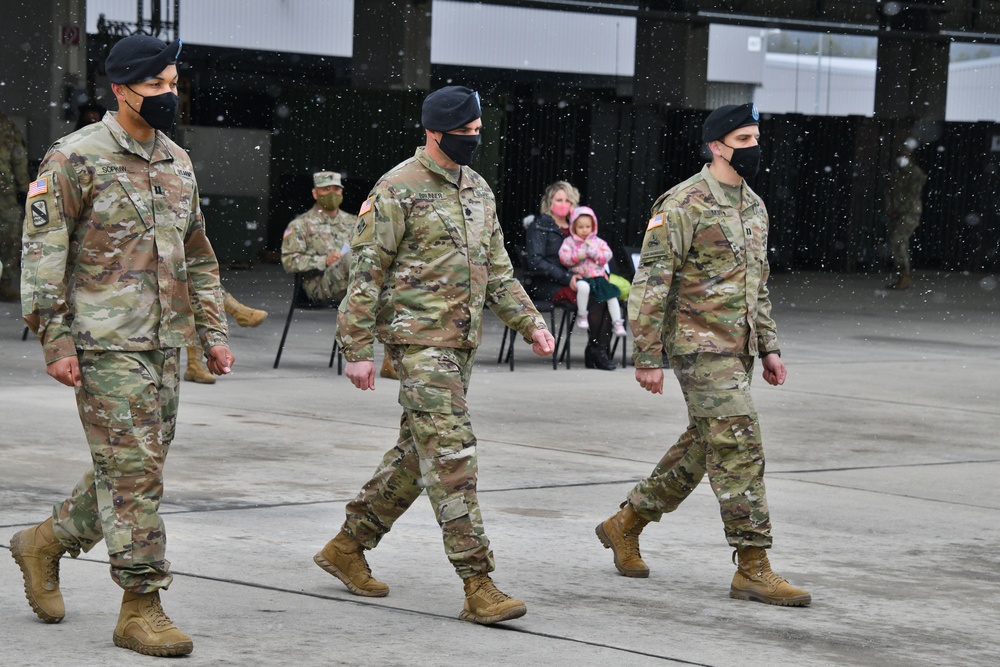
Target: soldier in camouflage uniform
x=317, y=243
x=13, y=186
x=700, y=294
x=902, y=209
x=118, y=276
x=428, y=255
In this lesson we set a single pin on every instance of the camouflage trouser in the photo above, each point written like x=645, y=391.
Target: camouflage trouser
x=331, y=283
x=128, y=406
x=900, y=231
x=11, y=222
x=436, y=452
x=722, y=439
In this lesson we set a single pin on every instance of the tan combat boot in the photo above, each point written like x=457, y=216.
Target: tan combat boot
x=244, y=315
x=903, y=282
x=485, y=604
x=387, y=370
x=620, y=533
x=37, y=552
x=145, y=628
x=754, y=580
x=196, y=370
x=345, y=559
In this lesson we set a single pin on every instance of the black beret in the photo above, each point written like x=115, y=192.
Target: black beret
x=727, y=118
x=140, y=58
x=450, y=107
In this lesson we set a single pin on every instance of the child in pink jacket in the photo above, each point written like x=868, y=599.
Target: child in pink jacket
x=586, y=254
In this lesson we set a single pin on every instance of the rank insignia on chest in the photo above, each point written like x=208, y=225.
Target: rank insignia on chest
x=655, y=221
x=748, y=230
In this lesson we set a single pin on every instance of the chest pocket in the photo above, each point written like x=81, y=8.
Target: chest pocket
x=174, y=194
x=713, y=251
x=431, y=234
x=120, y=209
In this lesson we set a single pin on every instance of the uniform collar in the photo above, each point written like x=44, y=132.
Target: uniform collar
x=160, y=151
x=324, y=213
x=719, y=192
x=425, y=159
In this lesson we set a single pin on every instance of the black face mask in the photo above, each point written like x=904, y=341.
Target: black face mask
x=460, y=147
x=746, y=161
x=159, y=111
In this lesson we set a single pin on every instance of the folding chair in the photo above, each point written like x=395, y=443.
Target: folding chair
x=567, y=321
x=622, y=339
x=301, y=301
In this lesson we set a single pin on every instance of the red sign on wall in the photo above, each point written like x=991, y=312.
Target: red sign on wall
x=70, y=35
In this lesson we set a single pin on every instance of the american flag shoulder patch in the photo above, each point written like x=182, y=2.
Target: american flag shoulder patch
x=288, y=232
x=39, y=187
x=366, y=206
x=655, y=221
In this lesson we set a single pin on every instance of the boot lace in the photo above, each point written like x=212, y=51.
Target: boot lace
x=157, y=617
x=363, y=563
x=51, y=568
x=488, y=590
x=760, y=568
x=493, y=593
x=631, y=545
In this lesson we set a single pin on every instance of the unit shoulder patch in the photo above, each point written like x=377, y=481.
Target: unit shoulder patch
x=39, y=213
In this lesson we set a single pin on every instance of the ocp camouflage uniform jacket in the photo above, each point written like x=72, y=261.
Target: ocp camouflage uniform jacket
x=115, y=252
x=13, y=162
x=428, y=254
x=906, y=184
x=312, y=236
x=701, y=285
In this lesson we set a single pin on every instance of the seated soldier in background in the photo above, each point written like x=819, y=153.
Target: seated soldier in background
x=317, y=244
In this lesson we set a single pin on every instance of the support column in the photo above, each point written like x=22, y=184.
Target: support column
x=671, y=63
x=392, y=44
x=911, y=80
x=43, y=52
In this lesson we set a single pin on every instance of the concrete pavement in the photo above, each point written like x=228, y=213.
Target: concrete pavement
x=883, y=456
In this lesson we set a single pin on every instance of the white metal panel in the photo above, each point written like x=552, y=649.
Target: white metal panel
x=827, y=86
x=736, y=54
x=475, y=35
x=320, y=27
x=974, y=90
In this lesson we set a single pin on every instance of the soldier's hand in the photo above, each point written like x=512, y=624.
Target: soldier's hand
x=650, y=379
x=66, y=371
x=361, y=374
x=332, y=258
x=544, y=342
x=220, y=360
x=774, y=369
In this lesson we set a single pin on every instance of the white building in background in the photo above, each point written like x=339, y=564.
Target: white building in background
x=974, y=90
x=739, y=65
x=818, y=86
